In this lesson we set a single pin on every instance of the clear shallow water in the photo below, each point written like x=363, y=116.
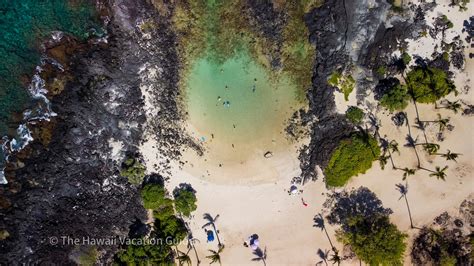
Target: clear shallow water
x=235, y=103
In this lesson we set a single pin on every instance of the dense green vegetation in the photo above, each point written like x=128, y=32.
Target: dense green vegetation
x=354, y=114
x=169, y=228
x=406, y=59
x=23, y=24
x=353, y=156
x=374, y=240
x=134, y=170
x=423, y=84
x=185, y=200
x=365, y=227
x=396, y=98
x=426, y=85
x=155, y=196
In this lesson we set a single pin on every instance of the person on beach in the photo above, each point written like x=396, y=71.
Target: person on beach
x=304, y=202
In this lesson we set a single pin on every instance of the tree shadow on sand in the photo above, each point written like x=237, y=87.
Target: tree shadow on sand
x=357, y=202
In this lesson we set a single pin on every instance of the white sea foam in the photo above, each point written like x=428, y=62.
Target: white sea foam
x=40, y=110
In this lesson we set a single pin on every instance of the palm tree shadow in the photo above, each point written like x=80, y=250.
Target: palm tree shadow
x=261, y=255
x=211, y=221
x=324, y=256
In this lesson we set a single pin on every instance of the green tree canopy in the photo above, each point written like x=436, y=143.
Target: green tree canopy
x=185, y=199
x=354, y=114
x=155, y=197
x=396, y=98
x=353, y=156
x=133, y=170
x=429, y=84
x=170, y=228
x=374, y=240
x=145, y=255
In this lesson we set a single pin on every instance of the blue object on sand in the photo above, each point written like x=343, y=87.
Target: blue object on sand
x=210, y=236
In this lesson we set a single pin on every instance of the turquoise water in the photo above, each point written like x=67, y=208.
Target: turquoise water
x=236, y=102
x=23, y=25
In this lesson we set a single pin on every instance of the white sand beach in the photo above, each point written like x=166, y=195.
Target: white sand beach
x=252, y=196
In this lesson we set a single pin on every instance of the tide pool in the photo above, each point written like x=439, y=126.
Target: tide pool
x=236, y=105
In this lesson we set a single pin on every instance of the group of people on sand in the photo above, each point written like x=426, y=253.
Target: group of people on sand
x=252, y=242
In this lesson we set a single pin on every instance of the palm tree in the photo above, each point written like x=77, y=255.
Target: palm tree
x=407, y=172
x=319, y=223
x=439, y=173
x=191, y=241
x=442, y=122
x=393, y=146
x=403, y=189
x=183, y=258
x=418, y=120
x=450, y=156
x=335, y=258
x=261, y=255
x=431, y=148
x=383, y=161
x=390, y=147
x=453, y=106
x=324, y=255
x=215, y=255
x=212, y=222
x=411, y=141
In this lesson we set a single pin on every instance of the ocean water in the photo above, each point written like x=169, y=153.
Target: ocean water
x=236, y=105
x=24, y=25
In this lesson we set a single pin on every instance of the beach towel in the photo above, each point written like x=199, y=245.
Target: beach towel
x=210, y=236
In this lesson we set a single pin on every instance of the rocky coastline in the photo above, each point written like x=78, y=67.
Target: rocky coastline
x=67, y=182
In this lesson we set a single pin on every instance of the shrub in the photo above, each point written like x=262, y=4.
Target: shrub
x=167, y=233
x=347, y=86
x=396, y=98
x=447, y=22
x=185, y=200
x=427, y=85
x=134, y=170
x=155, y=197
x=334, y=78
x=374, y=240
x=353, y=156
x=381, y=70
x=146, y=254
x=354, y=114
x=406, y=58
x=171, y=228
x=345, y=83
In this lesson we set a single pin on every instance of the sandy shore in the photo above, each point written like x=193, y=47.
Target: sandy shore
x=252, y=197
